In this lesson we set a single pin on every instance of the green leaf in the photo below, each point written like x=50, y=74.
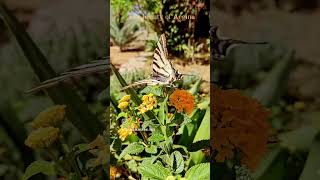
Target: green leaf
x=195, y=88
x=266, y=162
x=80, y=148
x=156, y=90
x=278, y=167
x=272, y=88
x=154, y=171
x=311, y=168
x=151, y=150
x=162, y=116
x=196, y=146
x=197, y=157
x=177, y=162
x=199, y=172
x=122, y=114
x=133, y=148
x=15, y=129
x=132, y=165
x=300, y=139
x=203, y=132
x=156, y=137
x=189, y=129
x=78, y=113
x=44, y=167
x=204, y=104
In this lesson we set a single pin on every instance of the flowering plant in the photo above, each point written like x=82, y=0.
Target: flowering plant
x=159, y=132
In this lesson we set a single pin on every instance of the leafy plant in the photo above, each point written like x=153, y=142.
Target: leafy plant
x=155, y=130
x=126, y=34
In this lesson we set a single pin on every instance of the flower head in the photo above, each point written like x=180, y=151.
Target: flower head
x=127, y=128
x=123, y=105
x=182, y=100
x=50, y=117
x=149, y=101
x=42, y=137
x=125, y=98
x=239, y=124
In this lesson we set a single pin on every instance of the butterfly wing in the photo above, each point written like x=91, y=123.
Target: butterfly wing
x=163, y=73
x=95, y=67
x=162, y=69
x=220, y=47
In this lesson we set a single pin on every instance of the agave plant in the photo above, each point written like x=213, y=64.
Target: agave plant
x=122, y=36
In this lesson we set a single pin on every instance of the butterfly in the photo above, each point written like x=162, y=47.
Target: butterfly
x=220, y=47
x=94, y=68
x=163, y=72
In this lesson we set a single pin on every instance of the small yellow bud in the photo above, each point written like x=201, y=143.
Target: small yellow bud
x=42, y=137
x=125, y=98
x=50, y=117
x=123, y=105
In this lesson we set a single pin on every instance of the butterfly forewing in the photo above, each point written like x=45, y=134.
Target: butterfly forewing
x=162, y=67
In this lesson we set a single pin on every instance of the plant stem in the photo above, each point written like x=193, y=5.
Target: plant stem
x=71, y=161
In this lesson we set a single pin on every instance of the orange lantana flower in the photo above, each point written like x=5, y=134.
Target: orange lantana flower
x=239, y=125
x=182, y=100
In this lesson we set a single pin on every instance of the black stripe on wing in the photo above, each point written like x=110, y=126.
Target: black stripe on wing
x=162, y=66
x=91, y=69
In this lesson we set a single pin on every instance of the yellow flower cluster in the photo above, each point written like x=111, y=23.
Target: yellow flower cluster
x=124, y=102
x=50, y=117
x=149, y=101
x=42, y=137
x=127, y=129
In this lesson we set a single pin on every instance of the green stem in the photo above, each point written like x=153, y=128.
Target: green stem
x=72, y=162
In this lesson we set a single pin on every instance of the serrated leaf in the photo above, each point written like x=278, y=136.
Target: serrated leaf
x=154, y=171
x=156, y=137
x=133, y=148
x=37, y=167
x=132, y=165
x=177, y=162
x=199, y=172
x=152, y=149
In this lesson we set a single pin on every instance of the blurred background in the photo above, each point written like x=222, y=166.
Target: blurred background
x=69, y=33
x=136, y=27
x=283, y=76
